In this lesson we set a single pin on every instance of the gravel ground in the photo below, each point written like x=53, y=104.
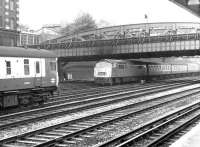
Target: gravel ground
x=68, y=86
x=129, y=125
x=50, y=122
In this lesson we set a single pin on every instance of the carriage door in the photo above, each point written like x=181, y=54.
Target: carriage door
x=38, y=74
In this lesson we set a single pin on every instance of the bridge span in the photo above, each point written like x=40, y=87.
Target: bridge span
x=140, y=47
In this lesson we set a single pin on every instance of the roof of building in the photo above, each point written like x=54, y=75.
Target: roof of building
x=25, y=52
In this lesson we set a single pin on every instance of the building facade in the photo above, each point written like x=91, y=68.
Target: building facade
x=34, y=37
x=9, y=22
x=49, y=32
x=28, y=38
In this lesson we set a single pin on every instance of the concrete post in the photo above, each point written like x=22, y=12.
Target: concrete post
x=60, y=70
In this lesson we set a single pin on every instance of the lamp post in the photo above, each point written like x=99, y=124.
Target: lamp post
x=146, y=24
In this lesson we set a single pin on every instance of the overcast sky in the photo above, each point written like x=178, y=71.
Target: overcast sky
x=36, y=13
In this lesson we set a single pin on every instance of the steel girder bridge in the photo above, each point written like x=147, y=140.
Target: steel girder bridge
x=136, y=47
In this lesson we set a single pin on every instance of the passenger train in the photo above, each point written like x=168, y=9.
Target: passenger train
x=110, y=71
x=27, y=76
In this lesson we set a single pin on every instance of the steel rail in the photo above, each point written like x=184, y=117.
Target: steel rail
x=63, y=109
x=109, y=120
x=151, y=130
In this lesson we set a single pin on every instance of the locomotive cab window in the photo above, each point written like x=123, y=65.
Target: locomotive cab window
x=37, y=66
x=8, y=67
x=26, y=67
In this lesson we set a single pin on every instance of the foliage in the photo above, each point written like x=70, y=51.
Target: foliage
x=84, y=22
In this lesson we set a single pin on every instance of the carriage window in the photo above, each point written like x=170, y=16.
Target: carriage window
x=26, y=67
x=121, y=66
x=8, y=68
x=37, y=67
x=53, y=66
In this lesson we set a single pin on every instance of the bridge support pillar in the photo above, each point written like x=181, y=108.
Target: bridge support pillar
x=60, y=70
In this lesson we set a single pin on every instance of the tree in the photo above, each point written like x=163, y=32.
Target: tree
x=103, y=23
x=68, y=29
x=23, y=27
x=84, y=22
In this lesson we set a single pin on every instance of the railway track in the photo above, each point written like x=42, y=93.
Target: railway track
x=101, y=92
x=161, y=131
x=77, y=85
x=100, y=88
x=93, y=91
x=69, y=96
x=76, y=130
x=15, y=119
x=76, y=95
x=79, y=94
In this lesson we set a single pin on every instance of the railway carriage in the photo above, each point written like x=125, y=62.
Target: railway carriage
x=27, y=75
x=161, y=70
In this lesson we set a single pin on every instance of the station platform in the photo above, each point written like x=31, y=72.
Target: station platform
x=190, y=139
